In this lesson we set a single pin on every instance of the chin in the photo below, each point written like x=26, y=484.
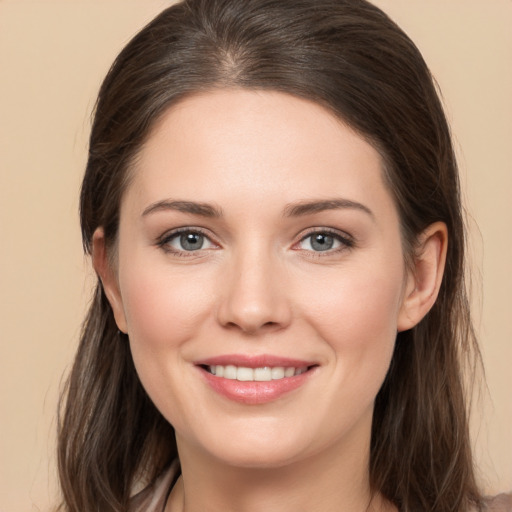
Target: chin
x=257, y=448
x=270, y=458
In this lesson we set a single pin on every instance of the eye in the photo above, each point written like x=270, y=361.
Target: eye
x=186, y=241
x=323, y=241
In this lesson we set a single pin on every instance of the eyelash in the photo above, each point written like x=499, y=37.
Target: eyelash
x=164, y=241
x=346, y=241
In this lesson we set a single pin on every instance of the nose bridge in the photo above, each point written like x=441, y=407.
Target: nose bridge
x=254, y=297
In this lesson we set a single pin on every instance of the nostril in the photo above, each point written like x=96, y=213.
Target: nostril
x=253, y=329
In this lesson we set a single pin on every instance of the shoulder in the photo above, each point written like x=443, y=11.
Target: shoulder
x=499, y=503
x=154, y=497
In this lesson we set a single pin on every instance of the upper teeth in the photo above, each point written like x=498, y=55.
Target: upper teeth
x=265, y=373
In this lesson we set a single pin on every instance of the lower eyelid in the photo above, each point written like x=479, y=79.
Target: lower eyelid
x=165, y=240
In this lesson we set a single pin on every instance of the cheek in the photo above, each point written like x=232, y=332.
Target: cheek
x=359, y=301
x=356, y=315
x=164, y=311
x=162, y=308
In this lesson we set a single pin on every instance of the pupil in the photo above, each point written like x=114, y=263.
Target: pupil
x=321, y=242
x=191, y=241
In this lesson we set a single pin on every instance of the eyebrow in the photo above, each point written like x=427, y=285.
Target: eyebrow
x=291, y=210
x=310, y=207
x=193, y=207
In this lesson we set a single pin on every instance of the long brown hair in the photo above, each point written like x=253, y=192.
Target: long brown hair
x=348, y=56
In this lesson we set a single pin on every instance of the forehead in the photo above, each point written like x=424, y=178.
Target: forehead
x=241, y=143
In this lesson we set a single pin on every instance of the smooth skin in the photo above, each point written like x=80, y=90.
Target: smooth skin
x=258, y=223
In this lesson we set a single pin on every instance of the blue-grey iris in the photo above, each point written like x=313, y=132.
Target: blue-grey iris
x=322, y=242
x=191, y=241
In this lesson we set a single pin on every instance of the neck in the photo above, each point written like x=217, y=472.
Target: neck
x=328, y=482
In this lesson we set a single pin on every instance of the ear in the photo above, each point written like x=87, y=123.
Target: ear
x=425, y=277
x=108, y=278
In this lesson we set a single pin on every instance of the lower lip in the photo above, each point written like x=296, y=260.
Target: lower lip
x=254, y=393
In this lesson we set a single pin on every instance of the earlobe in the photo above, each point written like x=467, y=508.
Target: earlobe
x=108, y=278
x=425, y=276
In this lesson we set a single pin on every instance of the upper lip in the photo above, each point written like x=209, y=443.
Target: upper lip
x=254, y=361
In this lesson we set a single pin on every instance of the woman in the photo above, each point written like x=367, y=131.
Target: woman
x=272, y=206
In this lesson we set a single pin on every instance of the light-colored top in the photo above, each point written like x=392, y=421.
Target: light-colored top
x=154, y=497
x=500, y=503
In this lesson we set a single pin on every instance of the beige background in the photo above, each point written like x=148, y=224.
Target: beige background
x=53, y=54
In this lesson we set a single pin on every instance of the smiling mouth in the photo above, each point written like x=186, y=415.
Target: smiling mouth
x=255, y=380
x=262, y=374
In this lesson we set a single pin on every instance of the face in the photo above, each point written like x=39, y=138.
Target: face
x=260, y=277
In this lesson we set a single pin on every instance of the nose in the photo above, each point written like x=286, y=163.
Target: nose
x=254, y=295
